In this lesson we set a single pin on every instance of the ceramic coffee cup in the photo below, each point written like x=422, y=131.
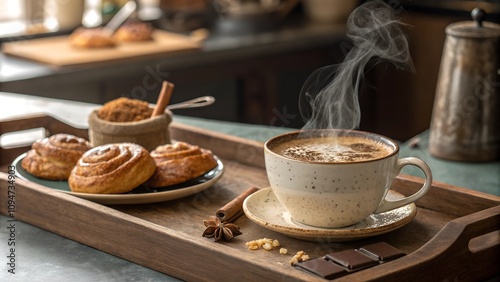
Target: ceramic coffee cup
x=336, y=178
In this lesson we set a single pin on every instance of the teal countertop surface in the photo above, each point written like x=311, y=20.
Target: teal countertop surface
x=479, y=176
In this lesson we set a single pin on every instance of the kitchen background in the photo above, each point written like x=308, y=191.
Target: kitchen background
x=254, y=64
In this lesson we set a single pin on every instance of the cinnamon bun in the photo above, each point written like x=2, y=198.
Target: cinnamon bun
x=112, y=169
x=179, y=162
x=54, y=157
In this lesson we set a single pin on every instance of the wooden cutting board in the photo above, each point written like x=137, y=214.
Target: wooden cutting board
x=57, y=50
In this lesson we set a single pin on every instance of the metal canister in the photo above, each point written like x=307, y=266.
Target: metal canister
x=465, y=124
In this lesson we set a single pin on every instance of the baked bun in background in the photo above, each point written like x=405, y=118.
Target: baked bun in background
x=91, y=38
x=112, y=169
x=179, y=162
x=54, y=157
x=133, y=30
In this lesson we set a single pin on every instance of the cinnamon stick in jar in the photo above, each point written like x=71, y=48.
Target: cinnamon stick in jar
x=234, y=209
x=163, y=99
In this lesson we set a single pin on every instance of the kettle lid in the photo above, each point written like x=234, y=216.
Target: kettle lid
x=476, y=28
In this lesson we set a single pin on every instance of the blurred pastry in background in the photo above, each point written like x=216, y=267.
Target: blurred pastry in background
x=91, y=38
x=134, y=30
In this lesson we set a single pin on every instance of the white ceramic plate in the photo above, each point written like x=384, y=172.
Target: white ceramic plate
x=263, y=208
x=140, y=195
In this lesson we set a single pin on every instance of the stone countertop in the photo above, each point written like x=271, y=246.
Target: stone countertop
x=479, y=176
x=45, y=256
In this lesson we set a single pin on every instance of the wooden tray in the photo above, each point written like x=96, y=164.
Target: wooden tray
x=454, y=237
x=58, y=52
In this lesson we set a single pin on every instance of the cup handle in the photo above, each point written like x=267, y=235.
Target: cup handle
x=387, y=205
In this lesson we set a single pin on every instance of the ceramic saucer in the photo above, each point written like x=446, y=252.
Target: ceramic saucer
x=263, y=208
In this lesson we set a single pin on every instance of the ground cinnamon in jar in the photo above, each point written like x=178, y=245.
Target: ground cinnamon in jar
x=125, y=110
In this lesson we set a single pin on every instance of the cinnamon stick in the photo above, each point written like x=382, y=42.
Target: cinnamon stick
x=163, y=98
x=234, y=209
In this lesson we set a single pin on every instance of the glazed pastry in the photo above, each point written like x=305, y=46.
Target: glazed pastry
x=112, y=169
x=134, y=31
x=179, y=162
x=54, y=157
x=91, y=38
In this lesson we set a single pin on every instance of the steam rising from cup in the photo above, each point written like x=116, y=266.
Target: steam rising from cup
x=331, y=92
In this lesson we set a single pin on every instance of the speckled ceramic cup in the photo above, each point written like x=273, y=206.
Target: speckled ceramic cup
x=336, y=178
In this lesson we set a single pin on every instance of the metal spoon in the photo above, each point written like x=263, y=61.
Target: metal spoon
x=120, y=17
x=194, y=103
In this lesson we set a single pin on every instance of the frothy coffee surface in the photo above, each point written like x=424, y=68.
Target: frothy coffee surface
x=332, y=149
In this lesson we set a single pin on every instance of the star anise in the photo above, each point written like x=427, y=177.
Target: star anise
x=220, y=230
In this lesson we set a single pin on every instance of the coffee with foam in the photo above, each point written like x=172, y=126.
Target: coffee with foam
x=335, y=178
x=333, y=149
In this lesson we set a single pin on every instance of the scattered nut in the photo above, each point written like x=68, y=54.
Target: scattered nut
x=265, y=243
x=269, y=244
x=298, y=257
x=276, y=243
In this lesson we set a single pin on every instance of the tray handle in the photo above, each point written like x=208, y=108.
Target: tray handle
x=47, y=122
x=465, y=249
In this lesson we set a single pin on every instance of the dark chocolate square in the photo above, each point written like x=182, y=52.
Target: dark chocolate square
x=352, y=259
x=382, y=251
x=323, y=268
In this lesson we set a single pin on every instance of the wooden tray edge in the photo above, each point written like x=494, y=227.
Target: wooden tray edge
x=105, y=228
x=446, y=198
x=230, y=147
